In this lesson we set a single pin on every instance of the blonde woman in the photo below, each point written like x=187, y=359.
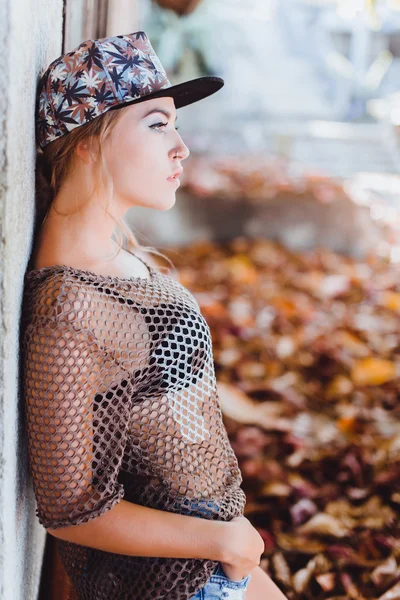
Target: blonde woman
x=132, y=468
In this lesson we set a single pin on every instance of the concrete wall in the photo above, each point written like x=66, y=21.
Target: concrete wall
x=30, y=38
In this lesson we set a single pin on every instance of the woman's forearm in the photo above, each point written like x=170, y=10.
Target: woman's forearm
x=262, y=587
x=136, y=530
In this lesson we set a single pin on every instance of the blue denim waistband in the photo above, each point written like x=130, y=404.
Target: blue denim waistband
x=194, y=507
x=220, y=587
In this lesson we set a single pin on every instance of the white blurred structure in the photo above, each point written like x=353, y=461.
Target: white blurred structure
x=242, y=43
x=282, y=57
x=293, y=69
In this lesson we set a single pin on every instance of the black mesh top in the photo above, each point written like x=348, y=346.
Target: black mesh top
x=121, y=402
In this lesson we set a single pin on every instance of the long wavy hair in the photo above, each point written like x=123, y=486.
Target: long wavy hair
x=54, y=162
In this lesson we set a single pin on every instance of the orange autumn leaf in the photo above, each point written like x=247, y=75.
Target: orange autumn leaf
x=390, y=300
x=339, y=386
x=241, y=269
x=347, y=424
x=351, y=342
x=373, y=371
x=215, y=310
x=287, y=307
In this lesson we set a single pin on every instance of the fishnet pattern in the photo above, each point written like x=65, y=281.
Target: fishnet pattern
x=121, y=402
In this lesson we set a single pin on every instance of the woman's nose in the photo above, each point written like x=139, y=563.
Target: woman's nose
x=181, y=150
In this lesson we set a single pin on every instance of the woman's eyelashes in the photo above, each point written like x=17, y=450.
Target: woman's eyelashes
x=158, y=125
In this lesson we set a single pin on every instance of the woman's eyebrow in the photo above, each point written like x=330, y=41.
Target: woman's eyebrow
x=161, y=110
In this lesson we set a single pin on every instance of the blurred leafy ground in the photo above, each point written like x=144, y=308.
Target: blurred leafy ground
x=307, y=357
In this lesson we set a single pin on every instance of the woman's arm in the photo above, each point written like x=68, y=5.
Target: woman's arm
x=261, y=587
x=137, y=530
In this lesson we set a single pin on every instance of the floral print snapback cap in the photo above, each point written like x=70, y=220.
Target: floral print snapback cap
x=103, y=74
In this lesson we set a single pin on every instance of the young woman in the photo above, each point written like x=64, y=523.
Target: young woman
x=132, y=468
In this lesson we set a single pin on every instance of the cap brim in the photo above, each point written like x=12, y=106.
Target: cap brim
x=184, y=93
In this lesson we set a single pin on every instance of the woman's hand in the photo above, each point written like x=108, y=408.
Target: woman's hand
x=244, y=547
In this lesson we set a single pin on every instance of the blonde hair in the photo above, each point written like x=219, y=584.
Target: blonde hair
x=54, y=162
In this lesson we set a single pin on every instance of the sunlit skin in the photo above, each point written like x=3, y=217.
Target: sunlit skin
x=261, y=587
x=142, y=151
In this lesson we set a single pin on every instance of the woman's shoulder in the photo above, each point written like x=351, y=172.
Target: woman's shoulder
x=55, y=292
x=53, y=289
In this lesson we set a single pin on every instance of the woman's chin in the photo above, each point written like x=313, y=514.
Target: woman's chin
x=169, y=202
x=162, y=203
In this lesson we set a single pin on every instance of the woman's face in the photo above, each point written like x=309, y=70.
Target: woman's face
x=143, y=151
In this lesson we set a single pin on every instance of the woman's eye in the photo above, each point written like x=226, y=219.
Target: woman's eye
x=157, y=125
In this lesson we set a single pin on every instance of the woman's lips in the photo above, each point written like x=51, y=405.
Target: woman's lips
x=174, y=180
x=175, y=176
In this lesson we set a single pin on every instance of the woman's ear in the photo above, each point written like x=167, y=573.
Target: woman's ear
x=84, y=149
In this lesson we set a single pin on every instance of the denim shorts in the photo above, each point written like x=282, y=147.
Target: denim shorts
x=220, y=587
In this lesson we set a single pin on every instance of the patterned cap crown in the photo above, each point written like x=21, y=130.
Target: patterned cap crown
x=94, y=77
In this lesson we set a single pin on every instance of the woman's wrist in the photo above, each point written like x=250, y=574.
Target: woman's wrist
x=217, y=545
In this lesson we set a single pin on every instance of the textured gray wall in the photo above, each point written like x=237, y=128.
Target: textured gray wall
x=30, y=38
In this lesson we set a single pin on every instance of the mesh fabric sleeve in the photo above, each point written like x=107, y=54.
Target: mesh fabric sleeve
x=77, y=403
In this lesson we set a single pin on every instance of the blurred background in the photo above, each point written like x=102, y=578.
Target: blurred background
x=286, y=229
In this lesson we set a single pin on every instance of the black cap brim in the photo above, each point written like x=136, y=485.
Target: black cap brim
x=183, y=93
